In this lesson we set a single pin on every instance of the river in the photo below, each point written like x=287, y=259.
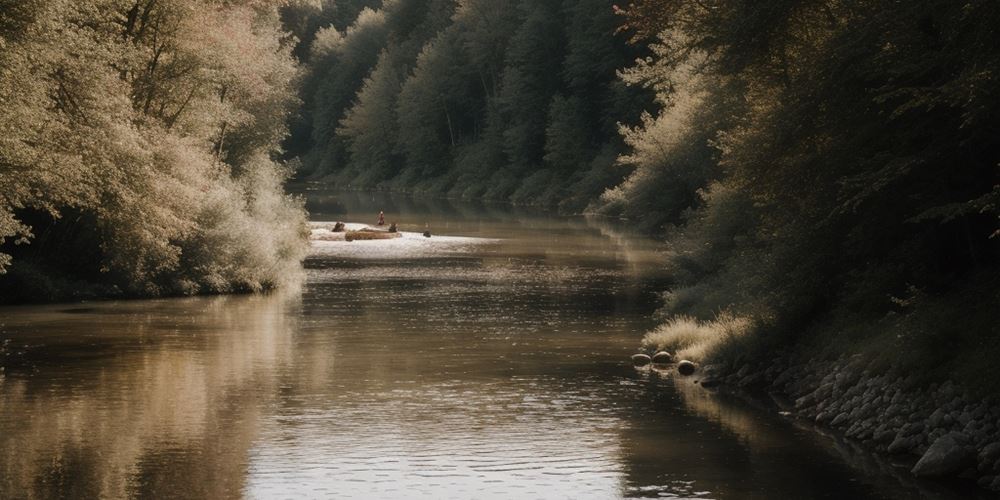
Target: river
x=488, y=361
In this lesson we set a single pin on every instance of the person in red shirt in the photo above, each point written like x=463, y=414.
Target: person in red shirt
x=381, y=218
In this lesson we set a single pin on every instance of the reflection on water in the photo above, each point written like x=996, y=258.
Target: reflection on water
x=121, y=399
x=449, y=367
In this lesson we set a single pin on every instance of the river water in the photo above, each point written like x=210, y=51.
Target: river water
x=488, y=361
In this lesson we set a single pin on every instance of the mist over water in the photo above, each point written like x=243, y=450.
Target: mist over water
x=490, y=360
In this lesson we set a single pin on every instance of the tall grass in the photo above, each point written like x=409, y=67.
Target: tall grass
x=696, y=340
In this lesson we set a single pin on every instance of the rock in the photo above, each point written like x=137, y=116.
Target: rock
x=912, y=429
x=948, y=454
x=883, y=435
x=427, y=234
x=839, y=419
x=990, y=453
x=338, y=227
x=936, y=419
x=392, y=227
x=710, y=381
x=641, y=359
x=663, y=358
x=685, y=367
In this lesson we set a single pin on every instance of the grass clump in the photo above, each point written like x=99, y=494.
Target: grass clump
x=697, y=340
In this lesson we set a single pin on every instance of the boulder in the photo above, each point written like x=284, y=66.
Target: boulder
x=663, y=358
x=338, y=227
x=949, y=454
x=392, y=227
x=839, y=419
x=901, y=445
x=641, y=359
x=990, y=453
x=710, y=381
x=685, y=367
x=427, y=234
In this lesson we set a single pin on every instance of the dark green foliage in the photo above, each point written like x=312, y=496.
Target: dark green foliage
x=847, y=159
x=500, y=99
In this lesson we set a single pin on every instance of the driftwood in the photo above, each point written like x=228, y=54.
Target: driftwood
x=370, y=234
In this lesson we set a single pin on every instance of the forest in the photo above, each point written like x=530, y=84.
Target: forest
x=820, y=171
x=824, y=173
x=479, y=99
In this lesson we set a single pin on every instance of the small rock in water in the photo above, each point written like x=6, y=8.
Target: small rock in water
x=427, y=234
x=338, y=227
x=686, y=367
x=663, y=358
x=641, y=359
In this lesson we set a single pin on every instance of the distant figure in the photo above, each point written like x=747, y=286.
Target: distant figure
x=381, y=218
x=338, y=227
x=392, y=227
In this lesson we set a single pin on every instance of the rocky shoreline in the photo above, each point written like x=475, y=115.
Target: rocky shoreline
x=951, y=433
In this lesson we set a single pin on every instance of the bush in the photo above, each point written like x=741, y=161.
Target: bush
x=693, y=340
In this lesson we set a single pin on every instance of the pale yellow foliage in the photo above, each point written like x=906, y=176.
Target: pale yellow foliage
x=695, y=340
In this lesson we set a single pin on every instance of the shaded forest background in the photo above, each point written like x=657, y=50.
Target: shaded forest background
x=505, y=100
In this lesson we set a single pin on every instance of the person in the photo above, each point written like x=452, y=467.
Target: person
x=381, y=218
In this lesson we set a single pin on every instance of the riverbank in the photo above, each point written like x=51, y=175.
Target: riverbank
x=945, y=431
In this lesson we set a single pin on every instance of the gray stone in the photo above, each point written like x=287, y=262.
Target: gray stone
x=839, y=419
x=936, y=419
x=964, y=418
x=882, y=435
x=948, y=454
x=641, y=359
x=685, y=367
x=663, y=358
x=990, y=453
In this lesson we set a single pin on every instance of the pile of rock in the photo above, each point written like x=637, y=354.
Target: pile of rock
x=952, y=433
x=662, y=359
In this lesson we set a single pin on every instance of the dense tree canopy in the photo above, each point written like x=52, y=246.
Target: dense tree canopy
x=136, y=144
x=483, y=99
x=824, y=159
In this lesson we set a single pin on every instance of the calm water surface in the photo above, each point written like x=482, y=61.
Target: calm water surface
x=488, y=361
